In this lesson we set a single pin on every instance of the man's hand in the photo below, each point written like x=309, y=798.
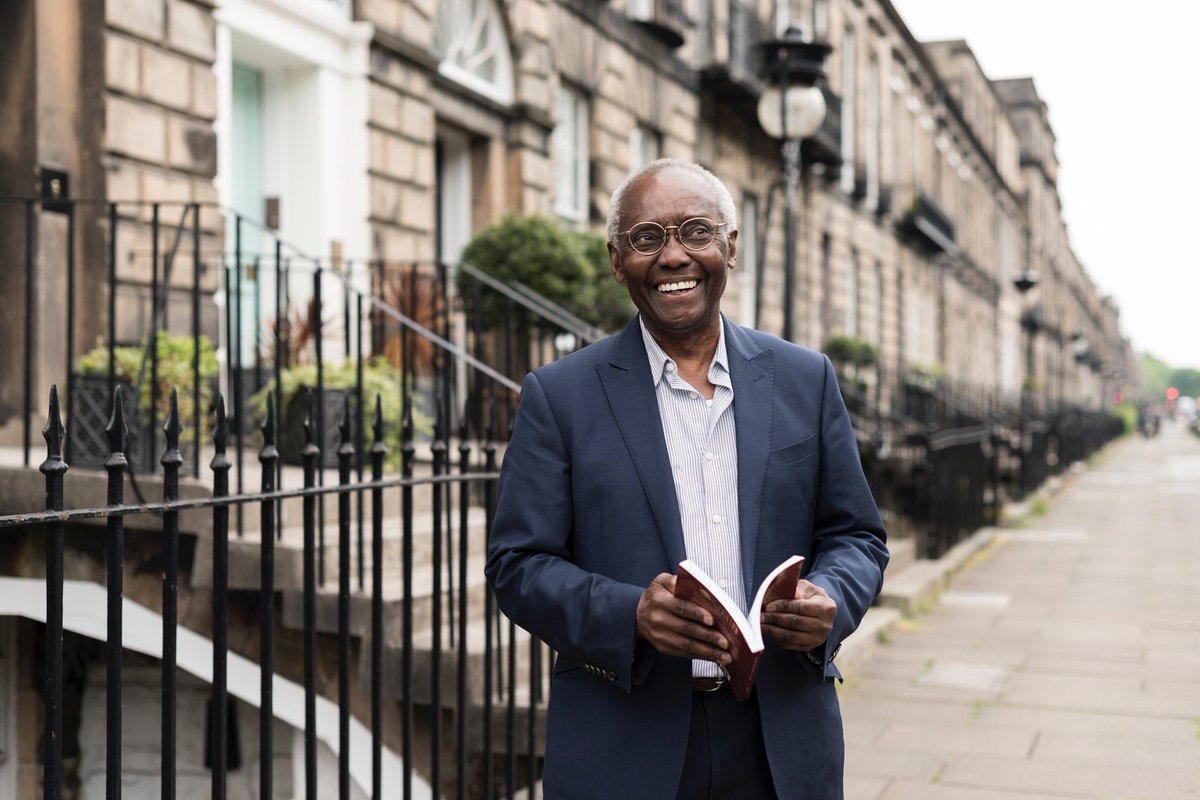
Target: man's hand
x=676, y=627
x=802, y=623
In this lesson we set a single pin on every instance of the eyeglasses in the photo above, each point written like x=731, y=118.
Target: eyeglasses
x=648, y=238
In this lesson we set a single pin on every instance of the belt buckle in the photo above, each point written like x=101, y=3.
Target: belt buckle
x=721, y=680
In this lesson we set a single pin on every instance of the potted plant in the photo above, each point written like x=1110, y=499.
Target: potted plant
x=92, y=403
x=340, y=385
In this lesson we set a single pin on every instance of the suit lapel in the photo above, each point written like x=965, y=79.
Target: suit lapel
x=752, y=371
x=630, y=391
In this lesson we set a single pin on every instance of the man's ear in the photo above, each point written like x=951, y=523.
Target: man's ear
x=731, y=262
x=614, y=263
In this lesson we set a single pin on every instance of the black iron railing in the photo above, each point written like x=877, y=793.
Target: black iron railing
x=505, y=692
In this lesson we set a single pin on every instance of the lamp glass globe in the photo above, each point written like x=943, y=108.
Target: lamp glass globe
x=804, y=108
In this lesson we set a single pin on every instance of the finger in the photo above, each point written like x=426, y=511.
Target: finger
x=668, y=623
x=791, y=639
x=796, y=623
x=821, y=607
x=676, y=645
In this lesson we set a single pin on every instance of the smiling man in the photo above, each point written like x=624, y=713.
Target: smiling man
x=684, y=436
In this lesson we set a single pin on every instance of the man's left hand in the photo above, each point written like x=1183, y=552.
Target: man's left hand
x=802, y=623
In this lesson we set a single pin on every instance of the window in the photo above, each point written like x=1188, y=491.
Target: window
x=470, y=39
x=571, y=157
x=850, y=323
x=747, y=260
x=821, y=18
x=848, y=117
x=644, y=145
x=871, y=145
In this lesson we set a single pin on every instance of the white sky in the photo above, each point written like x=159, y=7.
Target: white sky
x=1120, y=82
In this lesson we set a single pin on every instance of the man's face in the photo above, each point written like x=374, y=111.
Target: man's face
x=671, y=197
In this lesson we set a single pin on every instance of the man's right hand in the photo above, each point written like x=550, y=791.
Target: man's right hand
x=677, y=627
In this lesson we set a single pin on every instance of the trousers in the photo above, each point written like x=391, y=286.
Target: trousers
x=725, y=758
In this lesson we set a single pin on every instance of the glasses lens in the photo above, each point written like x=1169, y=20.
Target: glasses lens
x=697, y=233
x=647, y=237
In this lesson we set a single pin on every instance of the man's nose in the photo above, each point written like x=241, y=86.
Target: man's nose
x=673, y=253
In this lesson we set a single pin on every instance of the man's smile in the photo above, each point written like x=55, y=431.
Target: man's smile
x=677, y=287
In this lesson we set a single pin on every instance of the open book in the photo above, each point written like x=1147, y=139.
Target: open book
x=744, y=635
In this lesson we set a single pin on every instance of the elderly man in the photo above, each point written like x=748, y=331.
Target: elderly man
x=684, y=436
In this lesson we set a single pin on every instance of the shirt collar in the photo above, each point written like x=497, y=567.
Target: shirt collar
x=718, y=369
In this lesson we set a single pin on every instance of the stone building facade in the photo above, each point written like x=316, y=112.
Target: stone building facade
x=393, y=129
x=929, y=221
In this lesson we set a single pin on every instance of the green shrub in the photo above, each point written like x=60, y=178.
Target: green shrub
x=175, y=354
x=379, y=378
x=567, y=268
x=847, y=350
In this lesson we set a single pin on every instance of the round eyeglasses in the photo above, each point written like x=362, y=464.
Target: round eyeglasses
x=648, y=238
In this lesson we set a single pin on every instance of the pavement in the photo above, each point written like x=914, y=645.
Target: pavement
x=1056, y=657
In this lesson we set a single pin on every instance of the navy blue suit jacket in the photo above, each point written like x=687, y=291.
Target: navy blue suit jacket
x=587, y=517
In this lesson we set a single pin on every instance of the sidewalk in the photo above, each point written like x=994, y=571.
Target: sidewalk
x=1062, y=662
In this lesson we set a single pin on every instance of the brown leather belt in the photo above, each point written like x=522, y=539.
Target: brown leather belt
x=708, y=684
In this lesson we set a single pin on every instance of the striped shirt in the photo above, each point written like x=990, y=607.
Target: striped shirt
x=702, y=447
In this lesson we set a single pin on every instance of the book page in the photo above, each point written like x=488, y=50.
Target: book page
x=779, y=585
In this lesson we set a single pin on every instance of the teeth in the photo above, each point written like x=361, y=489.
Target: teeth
x=677, y=287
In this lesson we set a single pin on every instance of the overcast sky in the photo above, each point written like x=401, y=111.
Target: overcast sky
x=1120, y=82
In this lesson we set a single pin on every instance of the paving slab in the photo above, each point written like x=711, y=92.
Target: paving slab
x=1061, y=660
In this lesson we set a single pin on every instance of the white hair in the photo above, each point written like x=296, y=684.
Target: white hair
x=721, y=195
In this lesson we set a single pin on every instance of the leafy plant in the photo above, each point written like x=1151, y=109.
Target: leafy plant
x=925, y=376
x=175, y=362
x=847, y=350
x=566, y=267
x=379, y=378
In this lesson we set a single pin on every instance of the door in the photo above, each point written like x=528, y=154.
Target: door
x=246, y=178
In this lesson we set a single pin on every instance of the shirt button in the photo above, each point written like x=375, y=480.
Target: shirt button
x=721, y=583
x=670, y=367
x=708, y=455
x=717, y=518
x=695, y=396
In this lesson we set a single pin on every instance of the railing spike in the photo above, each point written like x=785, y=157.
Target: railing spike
x=116, y=429
x=463, y=423
x=310, y=430
x=221, y=427
x=439, y=418
x=268, y=426
x=54, y=433
x=377, y=420
x=172, y=427
x=345, y=431
x=492, y=420
x=406, y=422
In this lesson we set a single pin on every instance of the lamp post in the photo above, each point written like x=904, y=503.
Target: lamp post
x=1023, y=283
x=791, y=109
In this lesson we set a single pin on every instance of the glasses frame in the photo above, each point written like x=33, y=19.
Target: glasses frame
x=666, y=229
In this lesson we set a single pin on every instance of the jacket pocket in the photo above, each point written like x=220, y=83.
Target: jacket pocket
x=791, y=453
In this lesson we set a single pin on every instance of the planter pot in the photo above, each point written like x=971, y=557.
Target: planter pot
x=91, y=408
x=291, y=433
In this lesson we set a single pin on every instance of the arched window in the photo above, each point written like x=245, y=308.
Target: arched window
x=470, y=39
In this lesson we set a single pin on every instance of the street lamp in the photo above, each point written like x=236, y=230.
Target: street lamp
x=792, y=109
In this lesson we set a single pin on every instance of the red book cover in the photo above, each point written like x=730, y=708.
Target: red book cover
x=744, y=635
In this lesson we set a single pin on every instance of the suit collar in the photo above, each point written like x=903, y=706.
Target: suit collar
x=630, y=392
x=752, y=369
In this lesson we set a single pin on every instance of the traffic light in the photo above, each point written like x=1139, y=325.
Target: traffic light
x=1172, y=394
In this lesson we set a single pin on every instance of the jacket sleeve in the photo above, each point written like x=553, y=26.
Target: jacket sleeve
x=849, y=542
x=586, y=617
